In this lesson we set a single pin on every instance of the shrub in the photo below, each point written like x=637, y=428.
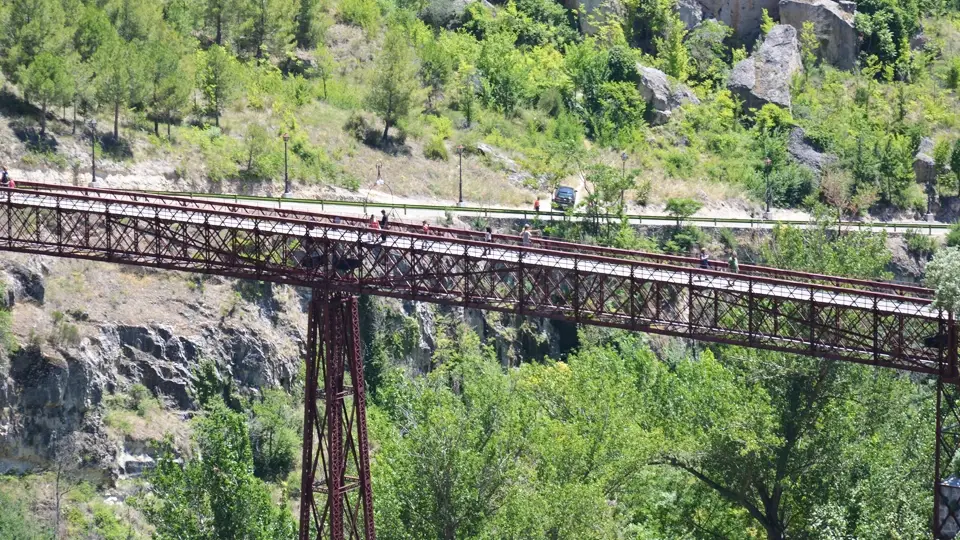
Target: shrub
x=273, y=436
x=363, y=13
x=442, y=126
x=682, y=208
x=953, y=74
x=436, y=150
x=358, y=127
x=918, y=244
x=953, y=237
x=789, y=185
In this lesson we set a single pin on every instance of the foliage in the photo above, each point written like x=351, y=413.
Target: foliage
x=943, y=275
x=819, y=249
x=918, y=244
x=682, y=208
x=217, y=79
x=809, y=46
x=391, y=95
x=953, y=237
x=274, y=436
x=672, y=54
x=436, y=149
x=363, y=13
x=215, y=495
x=47, y=82
x=16, y=522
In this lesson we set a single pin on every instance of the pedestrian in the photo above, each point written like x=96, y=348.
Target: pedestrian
x=536, y=205
x=373, y=225
x=337, y=220
x=5, y=178
x=733, y=265
x=525, y=236
x=384, y=221
x=426, y=228
x=488, y=235
x=704, y=259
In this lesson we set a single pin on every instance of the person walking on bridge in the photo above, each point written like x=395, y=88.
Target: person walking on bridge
x=384, y=222
x=704, y=259
x=536, y=205
x=733, y=265
x=5, y=180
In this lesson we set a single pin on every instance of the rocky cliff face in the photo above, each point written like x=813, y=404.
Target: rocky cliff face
x=832, y=24
x=765, y=76
x=80, y=344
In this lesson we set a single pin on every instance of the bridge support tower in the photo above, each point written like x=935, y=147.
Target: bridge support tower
x=336, y=496
x=946, y=489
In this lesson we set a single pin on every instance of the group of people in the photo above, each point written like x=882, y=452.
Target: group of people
x=733, y=264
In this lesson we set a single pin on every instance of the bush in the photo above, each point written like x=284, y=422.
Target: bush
x=953, y=74
x=918, y=244
x=363, y=13
x=273, y=436
x=953, y=237
x=436, y=150
x=358, y=127
x=682, y=208
x=442, y=126
x=789, y=185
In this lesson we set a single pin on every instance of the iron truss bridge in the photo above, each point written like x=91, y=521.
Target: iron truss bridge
x=876, y=323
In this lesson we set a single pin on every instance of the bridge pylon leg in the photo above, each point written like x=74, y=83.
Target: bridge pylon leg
x=336, y=495
x=946, y=489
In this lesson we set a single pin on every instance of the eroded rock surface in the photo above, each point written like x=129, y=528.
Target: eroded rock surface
x=663, y=95
x=765, y=76
x=832, y=25
x=743, y=16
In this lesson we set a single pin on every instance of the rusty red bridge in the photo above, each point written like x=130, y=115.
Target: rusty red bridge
x=338, y=257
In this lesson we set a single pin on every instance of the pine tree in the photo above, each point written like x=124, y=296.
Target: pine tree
x=216, y=79
x=46, y=82
x=31, y=28
x=167, y=88
x=325, y=66
x=395, y=82
x=119, y=78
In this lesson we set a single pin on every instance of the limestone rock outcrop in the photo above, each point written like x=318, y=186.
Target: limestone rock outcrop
x=445, y=13
x=832, y=25
x=663, y=95
x=924, y=166
x=743, y=16
x=690, y=12
x=765, y=76
x=806, y=153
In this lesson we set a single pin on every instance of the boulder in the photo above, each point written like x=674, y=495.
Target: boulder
x=832, y=25
x=690, y=12
x=445, y=13
x=805, y=152
x=765, y=76
x=591, y=12
x=743, y=17
x=924, y=167
x=663, y=95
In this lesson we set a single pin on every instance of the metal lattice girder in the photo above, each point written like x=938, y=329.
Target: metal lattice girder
x=336, y=495
x=199, y=203
x=832, y=322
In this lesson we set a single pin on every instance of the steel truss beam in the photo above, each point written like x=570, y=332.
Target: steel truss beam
x=336, y=455
x=845, y=320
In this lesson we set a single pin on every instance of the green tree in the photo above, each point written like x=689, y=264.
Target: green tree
x=119, y=78
x=955, y=163
x=168, y=89
x=47, y=82
x=395, y=80
x=93, y=31
x=943, y=275
x=809, y=46
x=766, y=22
x=672, y=54
x=504, y=76
x=135, y=20
x=325, y=65
x=31, y=27
x=466, y=91
x=267, y=27
x=273, y=435
x=215, y=494
x=217, y=79
x=682, y=208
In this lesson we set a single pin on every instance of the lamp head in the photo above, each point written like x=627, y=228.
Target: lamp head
x=286, y=137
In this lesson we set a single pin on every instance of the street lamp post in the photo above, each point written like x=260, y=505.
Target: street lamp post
x=623, y=174
x=768, y=194
x=286, y=175
x=460, y=153
x=93, y=152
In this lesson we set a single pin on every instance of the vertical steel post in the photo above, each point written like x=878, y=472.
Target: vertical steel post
x=338, y=466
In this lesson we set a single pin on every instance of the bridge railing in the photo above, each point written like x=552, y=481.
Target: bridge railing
x=213, y=201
